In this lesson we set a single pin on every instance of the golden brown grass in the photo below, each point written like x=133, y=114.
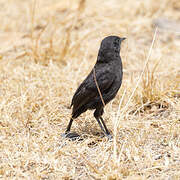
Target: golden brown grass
x=46, y=50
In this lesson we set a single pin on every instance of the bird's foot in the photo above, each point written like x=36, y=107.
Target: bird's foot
x=109, y=136
x=73, y=136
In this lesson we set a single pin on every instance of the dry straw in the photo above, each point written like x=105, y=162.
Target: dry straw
x=46, y=49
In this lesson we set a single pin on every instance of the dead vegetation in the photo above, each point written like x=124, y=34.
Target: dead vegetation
x=46, y=50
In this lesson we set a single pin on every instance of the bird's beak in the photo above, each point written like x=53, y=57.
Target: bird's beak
x=122, y=39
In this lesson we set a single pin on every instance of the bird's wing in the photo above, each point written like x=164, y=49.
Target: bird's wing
x=87, y=91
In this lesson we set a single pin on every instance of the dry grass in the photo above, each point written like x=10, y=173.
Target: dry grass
x=46, y=50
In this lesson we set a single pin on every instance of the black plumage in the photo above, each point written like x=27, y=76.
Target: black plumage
x=107, y=73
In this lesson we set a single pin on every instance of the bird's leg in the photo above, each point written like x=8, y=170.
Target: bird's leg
x=97, y=114
x=69, y=126
x=97, y=118
x=67, y=134
x=106, y=130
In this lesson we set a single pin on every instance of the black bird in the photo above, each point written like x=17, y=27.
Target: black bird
x=101, y=85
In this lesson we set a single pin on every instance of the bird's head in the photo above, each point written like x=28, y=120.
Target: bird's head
x=110, y=48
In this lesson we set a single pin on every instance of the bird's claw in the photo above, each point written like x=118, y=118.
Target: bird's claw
x=110, y=137
x=73, y=136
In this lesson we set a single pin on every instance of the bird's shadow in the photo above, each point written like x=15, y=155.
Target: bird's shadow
x=90, y=131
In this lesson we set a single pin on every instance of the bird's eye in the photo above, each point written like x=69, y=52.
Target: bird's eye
x=116, y=43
